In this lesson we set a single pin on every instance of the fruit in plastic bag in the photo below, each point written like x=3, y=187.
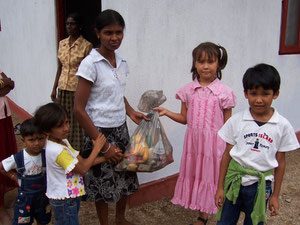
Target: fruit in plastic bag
x=141, y=151
x=132, y=167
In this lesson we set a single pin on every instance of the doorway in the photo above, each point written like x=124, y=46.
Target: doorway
x=88, y=11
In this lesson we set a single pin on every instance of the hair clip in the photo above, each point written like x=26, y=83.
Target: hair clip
x=221, y=51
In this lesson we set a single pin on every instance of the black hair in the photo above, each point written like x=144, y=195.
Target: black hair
x=77, y=18
x=50, y=116
x=213, y=52
x=108, y=17
x=28, y=128
x=261, y=75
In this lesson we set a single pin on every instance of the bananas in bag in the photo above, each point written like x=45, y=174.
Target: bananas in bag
x=149, y=149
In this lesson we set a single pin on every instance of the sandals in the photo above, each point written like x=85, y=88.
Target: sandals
x=204, y=221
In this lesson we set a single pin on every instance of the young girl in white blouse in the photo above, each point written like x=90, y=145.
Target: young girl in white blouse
x=65, y=167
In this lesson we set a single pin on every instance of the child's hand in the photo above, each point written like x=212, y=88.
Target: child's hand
x=219, y=198
x=14, y=177
x=99, y=142
x=161, y=110
x=273, y=205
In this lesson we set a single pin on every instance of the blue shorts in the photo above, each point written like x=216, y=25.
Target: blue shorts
x=31, y=206
x=245, y=203
x=66, y=211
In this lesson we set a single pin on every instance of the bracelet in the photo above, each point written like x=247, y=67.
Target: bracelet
x=103, y=152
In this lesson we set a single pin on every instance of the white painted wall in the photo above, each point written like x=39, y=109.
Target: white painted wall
x=28, y=49
x=160, y=37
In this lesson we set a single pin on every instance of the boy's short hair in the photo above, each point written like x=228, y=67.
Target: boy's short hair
x=261, y=75
x=28, y=128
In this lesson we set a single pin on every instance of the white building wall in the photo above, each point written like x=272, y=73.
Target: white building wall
x=28, y=49
x=159, y=39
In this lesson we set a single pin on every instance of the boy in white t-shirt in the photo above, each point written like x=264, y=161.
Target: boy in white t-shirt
x=28, y=169
x=257, y=140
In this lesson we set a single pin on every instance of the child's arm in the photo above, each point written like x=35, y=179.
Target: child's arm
x=278, y=177
x=177, y=117
x=83, y=164
x=227, y=114
x=219, y=197
x=11, y=174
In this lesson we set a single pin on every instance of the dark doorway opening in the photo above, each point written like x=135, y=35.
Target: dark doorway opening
x=88, y=11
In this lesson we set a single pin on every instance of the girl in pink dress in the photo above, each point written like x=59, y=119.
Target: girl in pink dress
x=206, y=104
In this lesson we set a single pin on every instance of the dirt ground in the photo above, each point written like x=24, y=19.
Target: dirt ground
x=164, y=212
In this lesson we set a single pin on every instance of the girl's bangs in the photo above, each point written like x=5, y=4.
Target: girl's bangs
x=208, y=53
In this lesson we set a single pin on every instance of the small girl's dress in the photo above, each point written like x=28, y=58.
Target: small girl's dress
x=202, y=150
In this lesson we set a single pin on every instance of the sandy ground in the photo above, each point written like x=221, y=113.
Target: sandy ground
x=163, y=212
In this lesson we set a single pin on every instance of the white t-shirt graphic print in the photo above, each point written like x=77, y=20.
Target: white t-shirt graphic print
x=256, y=146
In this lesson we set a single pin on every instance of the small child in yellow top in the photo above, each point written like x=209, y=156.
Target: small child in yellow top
x=65, y=167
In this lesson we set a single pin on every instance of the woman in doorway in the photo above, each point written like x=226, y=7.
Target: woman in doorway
x=70, y=53
x=101, y=108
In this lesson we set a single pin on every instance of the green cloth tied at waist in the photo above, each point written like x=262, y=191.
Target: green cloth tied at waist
x=232, y=186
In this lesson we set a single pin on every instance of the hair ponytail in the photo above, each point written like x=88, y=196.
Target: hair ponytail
x=222, y=61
